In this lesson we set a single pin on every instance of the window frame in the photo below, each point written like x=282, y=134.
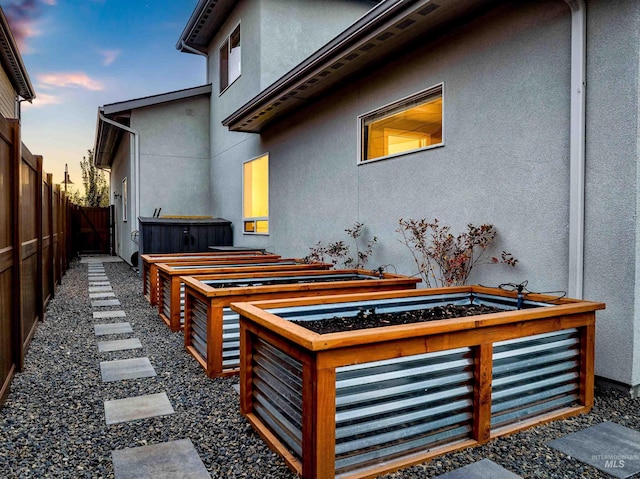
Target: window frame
x=398, y=106
x=255, y=219
x=124, y=199
x=226, y=44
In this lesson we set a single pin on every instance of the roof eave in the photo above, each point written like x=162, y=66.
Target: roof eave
x=372, y=39
x=13, y=61
x=205, y=21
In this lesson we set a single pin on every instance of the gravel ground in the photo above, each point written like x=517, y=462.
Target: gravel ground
x=53, y=420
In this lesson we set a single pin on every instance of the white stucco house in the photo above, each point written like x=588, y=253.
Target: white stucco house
x=522, y=114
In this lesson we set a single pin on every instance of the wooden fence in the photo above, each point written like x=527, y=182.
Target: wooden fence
x=36, y=245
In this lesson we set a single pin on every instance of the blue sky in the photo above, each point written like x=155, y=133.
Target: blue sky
x=82, y=54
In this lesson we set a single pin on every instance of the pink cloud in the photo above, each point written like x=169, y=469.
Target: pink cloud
x=109, y=56
x=69, y=80
x=22, y=16
x=42, y=99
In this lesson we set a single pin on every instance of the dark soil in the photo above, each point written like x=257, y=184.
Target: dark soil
x=367, y=318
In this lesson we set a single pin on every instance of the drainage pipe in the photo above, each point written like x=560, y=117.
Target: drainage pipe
x=577, y=148
x=135, y=170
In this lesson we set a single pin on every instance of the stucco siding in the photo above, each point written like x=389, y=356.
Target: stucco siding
x=174, y=157
x=7, y=96
x=267, y=54
x=505, y=159
x=121, y=168
x=611, y=231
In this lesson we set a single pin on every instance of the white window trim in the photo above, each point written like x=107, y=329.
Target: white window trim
x=360, y=118
x=125, y=195
x=227, y=39
x=255, y=218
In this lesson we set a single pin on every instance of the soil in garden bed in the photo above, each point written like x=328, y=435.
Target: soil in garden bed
x=368, y=318
x=276, y=281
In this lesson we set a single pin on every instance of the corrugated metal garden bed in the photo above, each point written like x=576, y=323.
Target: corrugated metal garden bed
x=365, y=402
x=211, y=328
x=170, y=288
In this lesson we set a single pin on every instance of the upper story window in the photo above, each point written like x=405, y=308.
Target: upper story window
x=407, y=125
x=255, y=195
x=230, y=59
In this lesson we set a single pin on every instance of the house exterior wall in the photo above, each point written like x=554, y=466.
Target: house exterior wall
x=612, y=232
x=120, y=169
x=505, y=161
x=267, y=54
x=174, y=157
x=7, y=96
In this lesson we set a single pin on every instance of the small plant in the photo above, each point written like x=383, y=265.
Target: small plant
x=444, y=259
x=339, y=251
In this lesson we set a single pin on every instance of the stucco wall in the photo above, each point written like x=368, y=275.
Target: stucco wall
x=174, y=157
x=611, y=233
x=121, y=168
x=267, y=54
x=505, y=161
x=7, y=96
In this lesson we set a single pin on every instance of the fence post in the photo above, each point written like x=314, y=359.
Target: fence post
x=16, y=180
x=51, y=281
x=39, y=218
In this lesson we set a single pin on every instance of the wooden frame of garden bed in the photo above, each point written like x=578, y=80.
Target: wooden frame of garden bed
x=208, y=303
x=170, y=276
x=150, y=270
x=319, y=356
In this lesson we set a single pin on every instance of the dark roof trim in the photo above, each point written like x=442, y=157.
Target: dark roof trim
x=205, y=21
x=371, y=40
x=12, y=61
x=156, y=99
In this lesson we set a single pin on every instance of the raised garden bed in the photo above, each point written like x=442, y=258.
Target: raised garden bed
x=211, y=328
x=150, y=270
x=366, y=402
x=170, y=288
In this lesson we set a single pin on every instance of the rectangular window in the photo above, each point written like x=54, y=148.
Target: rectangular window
x=255, y=195
x=411, y=124
x=124, y=199
x=230, y=59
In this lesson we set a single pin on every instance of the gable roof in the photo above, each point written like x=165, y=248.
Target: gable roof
x=12, y=61
x=108, y=136
x=375, y=38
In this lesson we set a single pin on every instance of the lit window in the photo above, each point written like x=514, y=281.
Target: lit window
x=255, y=201
x=411, y=124
x=230, y=59
x=124, y=199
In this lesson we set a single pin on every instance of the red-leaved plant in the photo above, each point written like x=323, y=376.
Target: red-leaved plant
x=444, y=259
x=339, y=252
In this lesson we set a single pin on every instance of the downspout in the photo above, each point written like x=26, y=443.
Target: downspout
x=136, y=162
x=577, y=148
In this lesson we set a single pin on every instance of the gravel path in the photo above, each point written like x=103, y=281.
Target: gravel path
x=53, y=421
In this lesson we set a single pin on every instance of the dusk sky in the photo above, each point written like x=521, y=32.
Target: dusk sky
x=82, y=54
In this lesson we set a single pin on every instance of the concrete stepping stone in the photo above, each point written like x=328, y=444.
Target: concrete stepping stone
x=609, y=447
x=108, y=314
x=121, y=369
x=98, y=277
x=102, y=295
x=100, y=303
x=99, y=289
x=167, y=460
x=99, y=283
x=96, y=270
x=119, y=345
x=138, y=407
x=112, y=328
x=480, y=470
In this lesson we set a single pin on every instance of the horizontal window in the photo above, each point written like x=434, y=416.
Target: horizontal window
x=411, y=124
